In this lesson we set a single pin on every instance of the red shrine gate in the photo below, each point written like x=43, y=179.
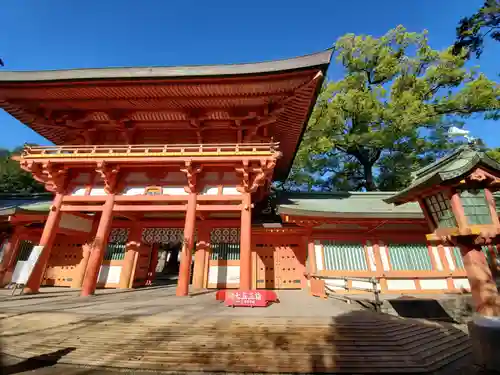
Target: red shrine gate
x=164, y=147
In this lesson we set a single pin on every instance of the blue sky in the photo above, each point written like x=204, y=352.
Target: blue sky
x=57, y=34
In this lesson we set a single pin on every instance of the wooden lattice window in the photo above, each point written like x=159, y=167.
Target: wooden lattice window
x=25, y=248
x=475, y=206
x=344, y=256
x=410, y=257
x=225, y=251
x=440, y=210
x=115, y=251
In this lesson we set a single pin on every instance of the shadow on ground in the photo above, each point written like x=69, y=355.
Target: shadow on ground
x=355, y=342
x=36, y=362
x=421, y=308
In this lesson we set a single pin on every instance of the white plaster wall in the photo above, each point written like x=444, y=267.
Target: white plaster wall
x=109, y=274
x=319, y=256
x=98, y=191
x=20, y=272
x=81, y=224
x=335, y=284
x=449, y=259
x=174, y=190
x=134, y=191
x=401, y=284
x=79, y=191
x=371, y=257
x=210, y=190
x=23, y=269
x=224, y=274
x=461, y=283
x=434, y=284
x=384, y=257
x=230, y=190
x=364, y=284
x=339, y=284
x=437, y=258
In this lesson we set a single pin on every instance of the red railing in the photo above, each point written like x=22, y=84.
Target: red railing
x=150, y=150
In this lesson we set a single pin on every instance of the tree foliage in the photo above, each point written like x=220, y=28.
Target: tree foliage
x=472, y=31
x=12, y=178
x=389, y=114
x=494, y=153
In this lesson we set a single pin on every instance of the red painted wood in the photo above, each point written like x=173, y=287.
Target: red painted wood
x=250, y=298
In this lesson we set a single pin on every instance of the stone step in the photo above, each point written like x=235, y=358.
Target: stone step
x=242, y=361
x=411, y=340
x=372, y=345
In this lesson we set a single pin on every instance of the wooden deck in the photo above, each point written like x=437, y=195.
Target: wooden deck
x=150, y=329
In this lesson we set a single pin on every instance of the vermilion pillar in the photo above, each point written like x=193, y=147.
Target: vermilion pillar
x=47, y=239
x=86, y=248
x=246, y=243
x=187, y=247
x=200, y=257
x=311, y=255
x=483, y=286
x=99, y=248
x=133, y=244
x=9, y=256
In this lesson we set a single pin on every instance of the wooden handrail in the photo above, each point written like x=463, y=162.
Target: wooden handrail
x=375, y=289
x=86, y=150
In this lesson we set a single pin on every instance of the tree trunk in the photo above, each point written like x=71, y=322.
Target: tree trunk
x=368, y=173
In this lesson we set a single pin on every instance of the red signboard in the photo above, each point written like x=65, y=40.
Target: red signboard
x=251, y=298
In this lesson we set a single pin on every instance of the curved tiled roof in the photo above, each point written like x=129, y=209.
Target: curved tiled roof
x=171, y=105
x=156, y=72
x=347, y=205
x=454, y=165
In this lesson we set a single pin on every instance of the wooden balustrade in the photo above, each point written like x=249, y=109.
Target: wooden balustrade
x=83, y=151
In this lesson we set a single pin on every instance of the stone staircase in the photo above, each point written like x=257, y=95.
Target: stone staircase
x=359, y=342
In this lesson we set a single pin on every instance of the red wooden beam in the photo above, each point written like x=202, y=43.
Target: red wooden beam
x=84, y=198
x=149, y=208
x=218, y=207
x=72, y=207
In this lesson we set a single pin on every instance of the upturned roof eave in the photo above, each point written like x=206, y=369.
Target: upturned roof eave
x=320, y=59
x=443, y=175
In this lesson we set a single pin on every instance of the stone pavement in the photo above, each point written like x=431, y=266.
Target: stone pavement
x=152, y=330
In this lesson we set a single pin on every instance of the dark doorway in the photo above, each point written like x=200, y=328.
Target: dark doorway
x=167, y=267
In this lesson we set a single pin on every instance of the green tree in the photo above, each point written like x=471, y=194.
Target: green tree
x=389, y=114
x=494, y=153
x=12, y=178
x=472, y=31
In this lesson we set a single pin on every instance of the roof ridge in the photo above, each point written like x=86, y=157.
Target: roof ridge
x=129, y=72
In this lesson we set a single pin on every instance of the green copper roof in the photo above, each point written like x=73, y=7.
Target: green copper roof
x=341, y=205
x=355, y=205
x=37, y=207
x=452, y=166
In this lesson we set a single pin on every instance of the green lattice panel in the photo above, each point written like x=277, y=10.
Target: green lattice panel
x=115, y=251
x=344, y=256
x=460, y=262
x=475, y=207
x=410, y=257
x=458, y=258
x=225, y=251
